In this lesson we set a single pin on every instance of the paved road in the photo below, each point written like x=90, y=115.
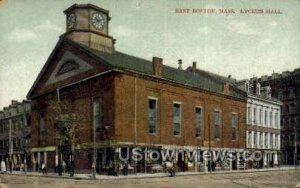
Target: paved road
x=285, y=178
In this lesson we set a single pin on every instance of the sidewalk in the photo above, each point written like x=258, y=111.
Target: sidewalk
x=143, y=175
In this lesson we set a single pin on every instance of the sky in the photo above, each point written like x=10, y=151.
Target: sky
x=222, y=42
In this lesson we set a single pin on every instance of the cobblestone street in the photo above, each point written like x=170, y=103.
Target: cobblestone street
x=287, y=178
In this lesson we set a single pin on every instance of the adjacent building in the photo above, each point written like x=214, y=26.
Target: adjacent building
x=286, y=87
x=119, y=101
x=263, y=123
x=15, y=133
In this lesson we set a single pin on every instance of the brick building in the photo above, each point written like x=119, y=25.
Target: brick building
x=286, y=87
x=15, y=133
x=125, y=101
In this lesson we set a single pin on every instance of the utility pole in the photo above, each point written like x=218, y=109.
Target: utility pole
x=295, y=145
x=10, y=146
x=209, y=145
x=94, y=155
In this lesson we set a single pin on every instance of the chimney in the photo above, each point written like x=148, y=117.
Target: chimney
x=194, y=67
x=157, y=66
x=254, y=86
x=179, y=64
x=226, y=89
x=14, y=102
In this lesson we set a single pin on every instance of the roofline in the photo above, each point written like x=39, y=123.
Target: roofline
x=271, y=100
x=85, y=6
x=28, y=96
x=178, y=83
x=62, y=39
x=85, y=79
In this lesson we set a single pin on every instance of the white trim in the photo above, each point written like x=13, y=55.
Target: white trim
x=153, y=98
x=180, y=115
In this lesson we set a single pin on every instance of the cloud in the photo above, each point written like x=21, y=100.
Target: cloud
x=21, y=35
x=241, y=28
x=122, y=31
x=48, y=25
x=205, y=30
x=273, y=24
x=266, y=41
x=26, y=34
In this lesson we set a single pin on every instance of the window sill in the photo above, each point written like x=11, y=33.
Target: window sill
x=177, y=136
x=152, y=134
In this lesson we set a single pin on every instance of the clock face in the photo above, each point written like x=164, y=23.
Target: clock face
x=98, y=21
x=71, y=19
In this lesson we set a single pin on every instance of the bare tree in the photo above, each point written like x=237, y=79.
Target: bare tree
x=66, y=122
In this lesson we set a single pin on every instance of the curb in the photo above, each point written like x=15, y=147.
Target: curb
x=161, y=175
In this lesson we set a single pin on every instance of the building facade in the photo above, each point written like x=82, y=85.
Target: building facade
x=263, y=123
x=286, y=87
x=125, y=106
x=15, y=134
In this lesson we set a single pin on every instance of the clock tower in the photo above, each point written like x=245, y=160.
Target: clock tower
x=88, y=24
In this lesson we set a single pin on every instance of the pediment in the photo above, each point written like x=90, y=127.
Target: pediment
x=68, y=66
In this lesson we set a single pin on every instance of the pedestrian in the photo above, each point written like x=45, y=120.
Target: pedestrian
x=44, y=169
x=3, y=166
x=64, y=166
x=125, y=169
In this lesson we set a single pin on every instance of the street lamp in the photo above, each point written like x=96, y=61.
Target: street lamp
x=209, y=145
x=295, y=145
x=94, y=155
x=10, y=147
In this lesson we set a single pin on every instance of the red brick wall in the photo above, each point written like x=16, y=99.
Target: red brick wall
x=166, y=94
x=81, y=97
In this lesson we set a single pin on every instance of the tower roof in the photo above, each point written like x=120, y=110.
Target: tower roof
x=85, y=6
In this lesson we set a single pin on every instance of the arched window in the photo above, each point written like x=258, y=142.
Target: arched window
x=68, y=66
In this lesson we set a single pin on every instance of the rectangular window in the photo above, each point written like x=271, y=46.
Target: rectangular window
x=152, y=113
x=234, y=122
x=198, y=116
x=254, y=140
x=254, y=115
x=42, y=126
x=271, y=141
x=266, y=140
x=260, y=116
x=97, y=114
x=249, y=115
x=276, y=120
x=249, y=139
x=266, y=117
x=270, y=122
x=261, y=140
x=177, y=118
x=217, y=124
